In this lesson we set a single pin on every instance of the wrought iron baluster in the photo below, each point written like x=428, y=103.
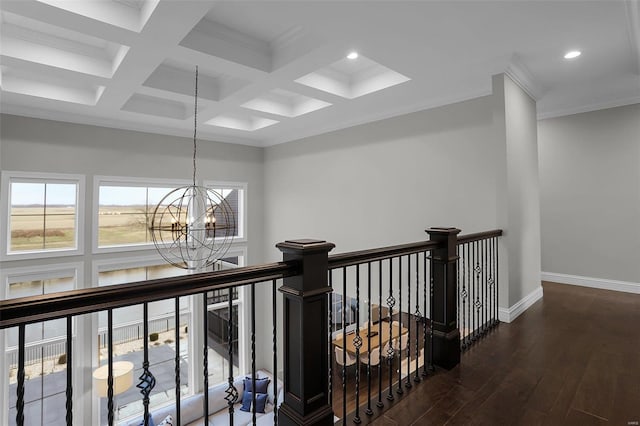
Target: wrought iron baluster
x=205, y=353
x=344, y=345
x=399, y=341
x=418, y=317
x=458, y=292
x=477, y=271
x=463, y=295
x=486, y=288
x=369, y=411
x=147, y=381
x=231, y=392
x=69, y=391
x=390, y=352
x=426, y=321
x=379, y=403
x=493, y=281
x=357, y=344
x=475, y=291
x=408, y=382
x=479, y=306
x=253, y=353
x=469, y=282
x=497, y=277
x=110, y=368
x=330, y=346
x=275, y=354
x=177, y=358
x=20, y=377
x=431, y=295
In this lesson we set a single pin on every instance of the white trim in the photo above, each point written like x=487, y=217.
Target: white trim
x=601, y=283
x=510, y=314
x=520, y=74
x=242, y=205
x=118, y=263
x=597, y=106
x=6, y=177
x=12, y=275
x=42, y=272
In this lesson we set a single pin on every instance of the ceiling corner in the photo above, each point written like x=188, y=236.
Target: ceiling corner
x=520, y=74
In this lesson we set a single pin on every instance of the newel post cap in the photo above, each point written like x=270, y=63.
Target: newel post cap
x=442, y=230
x=305, y=246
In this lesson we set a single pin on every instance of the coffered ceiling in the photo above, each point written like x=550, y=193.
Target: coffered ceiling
x=276, y=71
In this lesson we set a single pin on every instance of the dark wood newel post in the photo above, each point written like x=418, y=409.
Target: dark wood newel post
x=446, y=335
x=306, y=335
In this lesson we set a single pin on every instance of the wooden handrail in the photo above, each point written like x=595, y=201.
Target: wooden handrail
x=25, y=310
x=372, y=255
x=469, y=238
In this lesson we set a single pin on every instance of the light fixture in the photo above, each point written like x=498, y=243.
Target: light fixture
x=572, y=54
x=352, y=55
x=192, y=227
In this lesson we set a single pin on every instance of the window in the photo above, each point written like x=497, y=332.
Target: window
x=123, y=211
x=234, y=194
x=44, y=214
x=45, y=344
x=218, y=325
x=128, y=331
x=337, y=313
x=128, y=334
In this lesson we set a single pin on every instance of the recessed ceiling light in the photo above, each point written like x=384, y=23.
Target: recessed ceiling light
x=352, y=55
x=572, y=54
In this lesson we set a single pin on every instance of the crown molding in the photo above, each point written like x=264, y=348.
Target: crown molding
x=86, y=120
x=588, y=108
x=520, y=74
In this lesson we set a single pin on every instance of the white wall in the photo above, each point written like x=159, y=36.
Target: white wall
x=519, y=200
x=384, y=183
x=590, y=197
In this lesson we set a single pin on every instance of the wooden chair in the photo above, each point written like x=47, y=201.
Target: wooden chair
x=375, y=357
x=340, y=357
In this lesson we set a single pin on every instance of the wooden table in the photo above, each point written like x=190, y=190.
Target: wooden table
x=376, y=339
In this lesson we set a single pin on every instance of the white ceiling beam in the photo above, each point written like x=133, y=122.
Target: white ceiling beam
x=149, y=51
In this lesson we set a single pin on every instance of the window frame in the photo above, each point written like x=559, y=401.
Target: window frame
x=242, y=205
x=9, y=177
x=133, y=182
x=33, y=273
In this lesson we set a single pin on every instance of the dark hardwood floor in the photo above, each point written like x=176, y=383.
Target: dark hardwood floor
x=573, y=358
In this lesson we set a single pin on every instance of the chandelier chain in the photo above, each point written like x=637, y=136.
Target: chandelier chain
x=195, y=127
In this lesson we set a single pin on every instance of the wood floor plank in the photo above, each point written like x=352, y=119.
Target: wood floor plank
x=596, y=390
x=579, y=418
x=626, y=402
x=570, y=359
x=532, y=417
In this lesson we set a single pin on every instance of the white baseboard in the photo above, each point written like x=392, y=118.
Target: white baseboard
x=510, y=314
x=601, y=283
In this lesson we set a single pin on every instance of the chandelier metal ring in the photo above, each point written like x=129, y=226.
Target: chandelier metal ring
x=192, y=227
